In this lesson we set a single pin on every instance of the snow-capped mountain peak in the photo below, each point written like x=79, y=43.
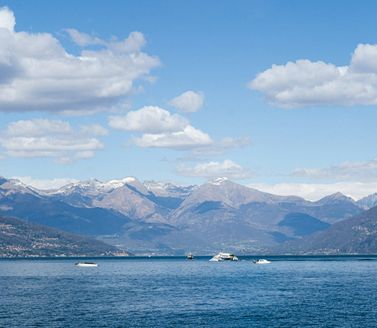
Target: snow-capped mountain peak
x=219, y=181
x=368, y=201
x=167, y=189
x=11, y=186
x=121, y=182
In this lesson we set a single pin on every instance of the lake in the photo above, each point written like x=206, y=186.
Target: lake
x=174, y=292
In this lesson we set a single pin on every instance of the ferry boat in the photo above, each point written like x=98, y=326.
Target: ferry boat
x=224, y=257
x=86, y=264
x=190, y=256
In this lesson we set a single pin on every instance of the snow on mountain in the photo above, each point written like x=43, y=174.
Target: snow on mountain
x=162, y=189
x=95, y=187
x=127, y=196
x=368, y=201
x=219, y=212
x=89, y=187
x=219, y=181
x=13, y=186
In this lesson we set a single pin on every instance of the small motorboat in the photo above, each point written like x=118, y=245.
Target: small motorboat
x=190, y=256
x=224, y=257
x=86, y=264
x=261, y=261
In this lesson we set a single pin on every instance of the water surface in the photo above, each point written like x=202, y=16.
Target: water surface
x=174, y=292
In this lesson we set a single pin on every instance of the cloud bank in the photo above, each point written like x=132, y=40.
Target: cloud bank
x=315, y=191
x=50, y=138
x=347, y=171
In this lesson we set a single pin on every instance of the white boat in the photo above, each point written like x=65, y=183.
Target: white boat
x=86, y=264
x=190, y=256
x=261, y=261
x=224, y=257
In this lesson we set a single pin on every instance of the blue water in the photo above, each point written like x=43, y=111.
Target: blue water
x=289, y=292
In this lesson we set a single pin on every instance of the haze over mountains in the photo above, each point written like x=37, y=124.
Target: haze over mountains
x=162, y=218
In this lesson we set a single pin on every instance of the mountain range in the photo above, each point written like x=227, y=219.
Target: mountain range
x=164, y=218
x=357, y=235
x=21, y=239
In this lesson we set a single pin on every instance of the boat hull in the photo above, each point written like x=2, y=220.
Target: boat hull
x=80, y=264
x=262, y=261
x=224, y=257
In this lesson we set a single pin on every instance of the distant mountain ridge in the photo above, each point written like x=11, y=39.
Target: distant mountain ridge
x=162, y=217
x=357, y=235
x=368, y=201
x=22, y=239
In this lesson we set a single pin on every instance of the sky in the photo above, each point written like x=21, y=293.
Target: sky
x=276, y=95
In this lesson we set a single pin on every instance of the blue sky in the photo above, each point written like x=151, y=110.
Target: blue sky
x=277, y=95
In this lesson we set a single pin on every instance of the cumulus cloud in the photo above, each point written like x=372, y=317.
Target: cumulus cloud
x=315, y=191
x=7, y=19
x=189, y=101
x=160, y=129
x=210, y=170
x=149, y=119
x=306, y=83
x=187, y=138
x=48, y=138
x=347, y=171
x=37, y=73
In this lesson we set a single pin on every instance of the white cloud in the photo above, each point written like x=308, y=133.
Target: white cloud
x=37, y=73
x=161, y=129
x=354, y=179
x=188, y=138
x=83, y=39
x=133, y=43
x=93, y=129
x=149, y=119
x=347, y=171
x=48, y=138
x=315, y=191
x=45, y=184
x=307, y=83
x=209, y=170
x=37, y=127
x=7, y=19
x=189, y=101
x=364, y=59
